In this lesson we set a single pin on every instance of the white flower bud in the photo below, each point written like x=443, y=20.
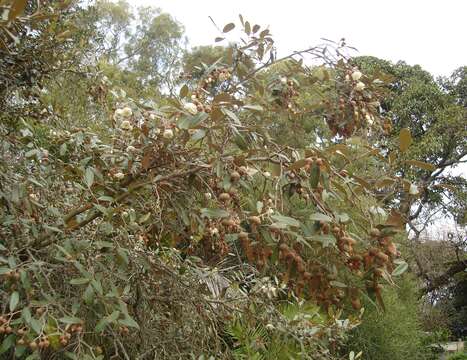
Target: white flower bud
x=208, y=196
x=267, y=174
x=126, y=112
x=191, y=108
x=130, y=148
x=360, y=86
x=284, y=80
x=168, y=134
x=152, y=116
x=356, y=75
x=413, y=189
x=126, y=125
x=119, y=175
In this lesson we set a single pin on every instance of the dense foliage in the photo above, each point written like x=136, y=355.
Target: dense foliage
x=217, y=203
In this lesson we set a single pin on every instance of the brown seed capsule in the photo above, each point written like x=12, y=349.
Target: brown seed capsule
x=243, y=235
x=39, y=311
x=283, y=247
x=228, y=222
x=378, y=272
x=255, y=220
x=33, y=345
x=356, y=304
x=21, y=342
x=382, y=256
x=64, y=342
x=319, y=161
x=8, y=330
x=224, y=197
x=375, y=232
x=392, y=249
x=235, y=176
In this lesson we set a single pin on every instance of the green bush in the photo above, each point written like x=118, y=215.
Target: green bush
x=458, y=356
x=392, y=334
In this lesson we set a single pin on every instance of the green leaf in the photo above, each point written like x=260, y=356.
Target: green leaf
x=7, y=343
x=400, y=269
x=189, y=122
x=129, y=321
x=89, y=176
x=337, y=284
x=314, y=177
x=253, y=107
x=102, y=323
x=285, y=220
x=228, y=27
x=421, y=165
x=14, y=300
x=198, y=135
x=326, y=240
x=70, y=320
x=79, y=281
x=26, y=314
x=320, y=217
x=405, y=139
x=36, y=325
x=183, y=91
x=214, y=213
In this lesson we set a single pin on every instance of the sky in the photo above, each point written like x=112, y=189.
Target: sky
x=429, y=33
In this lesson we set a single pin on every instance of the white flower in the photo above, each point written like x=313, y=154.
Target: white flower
x=152, y=116
x=270, y=327
x=208, y=196
x=369, y=119
x=34, y=197
x=356, y=75
x=214, y=231
x=347, y=77
x=119, y=175
x=130, y=148
x=126, y=125
x=267, y=174
x=413, y=190
x=193, y=97
x=270, y=211
x=119, y=112
x=157, y=131
x=284, y=80
x=360, y=86
x=191, y=108
x=235, y=107
x=126, y=112
x=168, y=134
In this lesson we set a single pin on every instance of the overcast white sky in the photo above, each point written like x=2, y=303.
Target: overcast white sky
x=431, y=33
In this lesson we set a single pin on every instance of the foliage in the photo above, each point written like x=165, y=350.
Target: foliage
x=146, y=216
x=458, y=356
x=393, y=334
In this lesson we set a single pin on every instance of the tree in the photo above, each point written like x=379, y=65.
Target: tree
x=190, y=227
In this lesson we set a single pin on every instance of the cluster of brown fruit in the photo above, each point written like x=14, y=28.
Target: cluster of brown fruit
x=354, y=109
x=285, y=95
x=198, y=100
x=256, y=252
x=216, y=76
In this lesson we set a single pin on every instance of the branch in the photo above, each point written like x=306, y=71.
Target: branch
x=444, y=278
